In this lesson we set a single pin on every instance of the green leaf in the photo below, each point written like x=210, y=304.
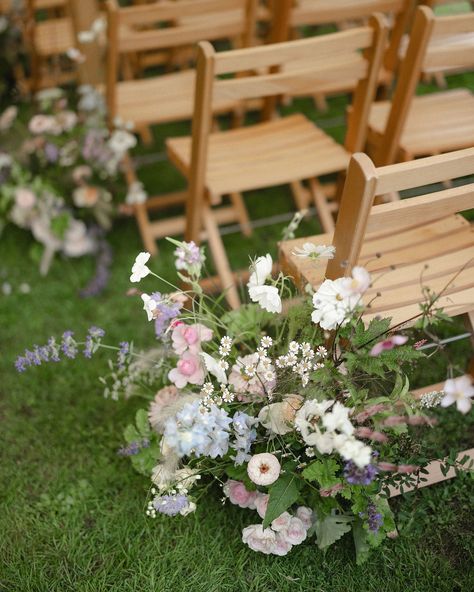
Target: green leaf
x=374, y=332
x=131, y=434
x=362, y=546
x=324, y=472
x=146, y=459
x=283, y=493
x=143, y=425
x=331, y=528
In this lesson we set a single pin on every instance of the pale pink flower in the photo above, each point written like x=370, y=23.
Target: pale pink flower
x=25, y=198
x=282, y=522
x=388, y=344
x=295, y=533
x=164, y=397
x=264, y=468
x=189, y=370
x=86, y=196
x=359, y=282
x=40, y=124
x=460, y=391
x=261, y=504
x=259, y=539
x=305, y=515
x=259, y=384
x=282, y=545
x=239, y=495
x=190, y=337
x=81, y=173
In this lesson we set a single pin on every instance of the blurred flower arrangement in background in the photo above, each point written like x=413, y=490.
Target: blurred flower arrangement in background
x=301, y=417
x=60, y=171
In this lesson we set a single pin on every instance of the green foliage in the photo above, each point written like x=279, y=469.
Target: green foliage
x=283, y=493
x=331, y=528
x=324, y=472
x=367, y=337
x=244, y=320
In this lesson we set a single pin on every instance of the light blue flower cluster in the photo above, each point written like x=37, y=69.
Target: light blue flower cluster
x=203, y=433
x=245, y=434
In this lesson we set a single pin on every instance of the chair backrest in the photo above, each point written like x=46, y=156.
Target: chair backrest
x=320, y=12
x=364, y=181
x=427, y=51
x=262, y=72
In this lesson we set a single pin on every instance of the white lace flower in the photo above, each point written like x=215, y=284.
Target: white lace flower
x=149, y=306
x=460, y=391
x=267, y=297
x=139, y=268
x=264, y=468
x=314, y=251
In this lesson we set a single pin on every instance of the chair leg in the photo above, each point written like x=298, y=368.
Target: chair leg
x=219, y=256
x=143, y=222
x=320, y=102
x=145, y=135
x=242, y=214
x=301, y=195
x=321, y=203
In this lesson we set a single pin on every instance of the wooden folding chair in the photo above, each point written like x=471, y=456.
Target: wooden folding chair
x=49, y=41
x=170, y=97
x=349, y=13
x=277, y=151
x=408, y=246
x=409, y=126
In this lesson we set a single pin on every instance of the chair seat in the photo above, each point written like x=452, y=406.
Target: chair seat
x=263, y=155
x=160, y=99
x=53, y=37
x=439, y=255
x=439, y=122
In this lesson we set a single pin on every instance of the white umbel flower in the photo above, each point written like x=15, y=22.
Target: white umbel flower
x=264, y=468
x=139, y=268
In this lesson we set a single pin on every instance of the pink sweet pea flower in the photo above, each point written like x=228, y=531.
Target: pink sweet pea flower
x=188, y=370
x=189, y=337
x=388, y=344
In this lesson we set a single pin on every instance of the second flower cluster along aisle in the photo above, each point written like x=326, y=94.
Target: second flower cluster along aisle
x=303, y=418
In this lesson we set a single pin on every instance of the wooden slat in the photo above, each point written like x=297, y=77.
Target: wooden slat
x=271, y=55
x=424, y=208
x=174, y=11
x=291, y=82
x=427, y=171
x=434, y=473
x=450, y=56
x=318, y=12
x=452, y=25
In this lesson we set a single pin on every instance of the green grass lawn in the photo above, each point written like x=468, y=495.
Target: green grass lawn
x=73, y=514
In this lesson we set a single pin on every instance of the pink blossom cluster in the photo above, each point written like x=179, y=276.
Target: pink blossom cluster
x=283, y=533
x=186, y=342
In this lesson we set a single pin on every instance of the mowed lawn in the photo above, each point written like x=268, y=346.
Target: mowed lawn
x=73, y=513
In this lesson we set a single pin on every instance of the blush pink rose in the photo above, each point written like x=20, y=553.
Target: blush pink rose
x=25, y=198
x=261, y=504
x=295, y=534
x=189, y=370
x=239, y=495
x=305, y=515
x=282, y=546
x=189, y=337
x=259, y=539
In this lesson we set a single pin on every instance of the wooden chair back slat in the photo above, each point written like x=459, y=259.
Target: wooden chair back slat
x=318, y=12
x=358, y=215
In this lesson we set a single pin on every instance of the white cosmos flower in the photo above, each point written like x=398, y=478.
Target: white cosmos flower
x=314, y=251
x=261, y=270
x=460, y=391
x=139, y=268
x=264, y=468
x=149, y=306
x=267, y=297
x=214, y=368
x=359, y=282
x=333, y=304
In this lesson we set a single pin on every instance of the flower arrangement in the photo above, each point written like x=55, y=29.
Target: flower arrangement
x=60, y=172
x=296, y=415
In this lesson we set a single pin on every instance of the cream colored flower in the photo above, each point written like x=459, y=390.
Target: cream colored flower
x=264, y=468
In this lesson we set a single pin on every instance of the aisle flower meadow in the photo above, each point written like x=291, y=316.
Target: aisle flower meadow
x=298, y=415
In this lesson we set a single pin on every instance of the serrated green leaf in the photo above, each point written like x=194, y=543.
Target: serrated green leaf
x=324, y=472
x=367, y=336
x=143, y=425
x=331, y=528
x=283, y=493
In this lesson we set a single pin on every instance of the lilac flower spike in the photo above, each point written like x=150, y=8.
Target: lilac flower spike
x=359, y=476
x=388, y=344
